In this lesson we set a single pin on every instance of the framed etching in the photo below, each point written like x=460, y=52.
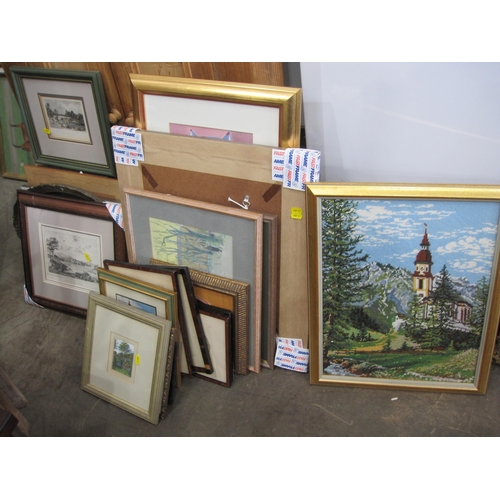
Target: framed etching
x=404, y=285
x=238, y=112
x=64, y=242
x=128, y=357
x=203, y=236
x=66, y=119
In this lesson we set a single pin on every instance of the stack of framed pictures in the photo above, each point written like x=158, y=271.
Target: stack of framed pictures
x=223, y=248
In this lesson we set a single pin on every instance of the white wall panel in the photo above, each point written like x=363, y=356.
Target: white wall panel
x=404, y=122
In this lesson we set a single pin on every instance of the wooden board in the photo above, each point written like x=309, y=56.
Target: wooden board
x=104, y=187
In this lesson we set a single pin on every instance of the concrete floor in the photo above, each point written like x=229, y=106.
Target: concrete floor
x=42, y=351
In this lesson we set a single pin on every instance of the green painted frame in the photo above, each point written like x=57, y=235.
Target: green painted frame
x=95, y=156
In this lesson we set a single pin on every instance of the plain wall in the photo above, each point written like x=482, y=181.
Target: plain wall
x=404, y=122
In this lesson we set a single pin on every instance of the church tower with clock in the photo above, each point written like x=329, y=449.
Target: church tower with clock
x=423, y=279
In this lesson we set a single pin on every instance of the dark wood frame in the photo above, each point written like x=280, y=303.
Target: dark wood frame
x=87, y=209
x=225, y=316
x=185, y=275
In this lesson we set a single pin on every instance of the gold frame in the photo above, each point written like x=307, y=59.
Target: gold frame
x=425, y=192
x=287, y=99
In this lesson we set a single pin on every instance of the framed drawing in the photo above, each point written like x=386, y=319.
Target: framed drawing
x=66, y=119
x=14, y=145
x=195, y=342
x=148, y=298
x=239, y=112
x=404, y=285
x=202, y=236
x=128, y=357
x=217, y=327
x=64, y=241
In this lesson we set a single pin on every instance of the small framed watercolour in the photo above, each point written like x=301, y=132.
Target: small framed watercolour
x=404, y=285
x=128, y=357
x=66, y=119
x=207, y=237
x=239, y=112
x=64, y=241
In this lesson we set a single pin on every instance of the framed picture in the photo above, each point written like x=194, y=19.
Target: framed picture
x=404, y=285
x=217, y=327
x=202, y=236
x=64, y=241
x=66, y=119
x=14, y=144
x=195, y=342
x=128, y=357
x=231, y=295
x=148, y=298
x=238, y=112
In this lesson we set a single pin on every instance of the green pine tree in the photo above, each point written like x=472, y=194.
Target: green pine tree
x=478, y=314
x=414, y=324
x=343, y=267
x=443, y=299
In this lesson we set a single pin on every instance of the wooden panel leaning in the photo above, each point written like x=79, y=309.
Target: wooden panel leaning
x=240, y=162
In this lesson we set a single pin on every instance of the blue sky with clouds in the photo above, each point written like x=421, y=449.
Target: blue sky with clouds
x=462, y=235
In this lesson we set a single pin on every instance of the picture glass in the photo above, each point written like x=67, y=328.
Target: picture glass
x=200, y=249
x=65, y=118
x=70, y=258
x=122, y=357
x=405, y=287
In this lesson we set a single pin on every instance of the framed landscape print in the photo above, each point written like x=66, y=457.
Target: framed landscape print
x=66, y=119
x=203, y=236
x=404, y=285
x=128, y=357
x=64, y=241
x=239, y=112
